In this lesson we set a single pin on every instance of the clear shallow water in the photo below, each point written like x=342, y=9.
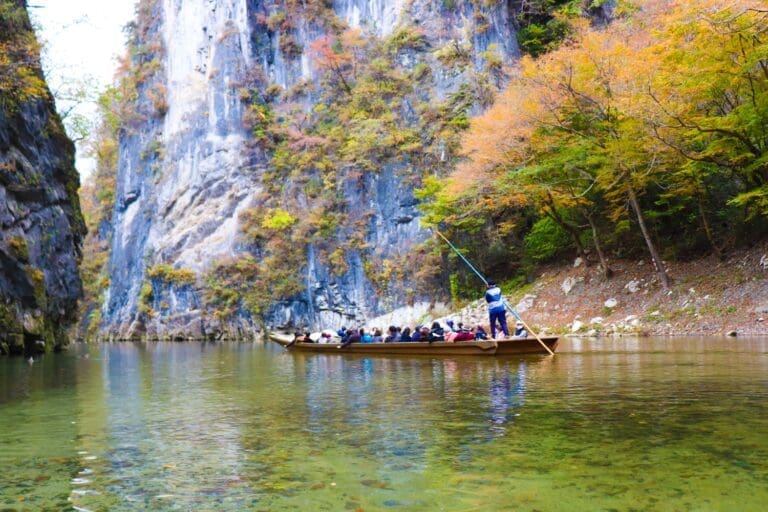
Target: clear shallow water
x=649, y=424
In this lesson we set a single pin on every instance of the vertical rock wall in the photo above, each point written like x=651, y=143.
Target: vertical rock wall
x=186, y=174
x=41, y=227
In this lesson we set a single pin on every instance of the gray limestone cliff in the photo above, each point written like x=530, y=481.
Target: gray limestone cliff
x=41, y=227
x=189, y=168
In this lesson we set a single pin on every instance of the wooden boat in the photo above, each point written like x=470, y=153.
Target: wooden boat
x=458, y=348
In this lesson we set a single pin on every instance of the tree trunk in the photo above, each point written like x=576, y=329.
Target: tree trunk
x=568, y=227
x=708, y=229
x=607, y=271
x=657, y=263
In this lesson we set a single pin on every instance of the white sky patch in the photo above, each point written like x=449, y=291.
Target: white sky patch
x=82, y=39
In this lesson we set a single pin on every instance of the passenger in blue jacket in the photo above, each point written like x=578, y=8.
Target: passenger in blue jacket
x=496, y=309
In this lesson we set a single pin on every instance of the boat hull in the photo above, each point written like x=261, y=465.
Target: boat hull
x=459, y=348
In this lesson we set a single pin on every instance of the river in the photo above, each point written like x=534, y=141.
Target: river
x=617, y=425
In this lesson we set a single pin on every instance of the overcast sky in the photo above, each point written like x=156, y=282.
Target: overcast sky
x=82, y=38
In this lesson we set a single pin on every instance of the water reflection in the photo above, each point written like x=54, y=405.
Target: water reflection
x=251, y=427
x=506, y=395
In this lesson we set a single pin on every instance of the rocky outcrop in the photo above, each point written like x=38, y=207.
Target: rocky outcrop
x=188, y=170
x=41, y=227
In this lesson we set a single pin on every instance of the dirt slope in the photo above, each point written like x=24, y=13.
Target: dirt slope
x=707, y=296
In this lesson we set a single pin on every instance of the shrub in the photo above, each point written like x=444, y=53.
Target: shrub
x=278, y=219
x=166, y=273
x=19, y=249
x=545, y=240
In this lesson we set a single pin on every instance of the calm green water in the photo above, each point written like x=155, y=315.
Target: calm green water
x=650, y=424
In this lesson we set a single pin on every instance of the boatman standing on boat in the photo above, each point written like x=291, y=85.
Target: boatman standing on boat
x=496, y=309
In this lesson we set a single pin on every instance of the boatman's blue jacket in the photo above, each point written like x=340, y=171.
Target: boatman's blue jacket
x=494, y=300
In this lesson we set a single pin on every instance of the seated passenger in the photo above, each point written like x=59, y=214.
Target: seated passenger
x=377, y=336
x=464, y=336
x=416, y=336
x=480, y=333
x=406, y=334
x=349, y=338
x=437, y=333
x=520, y=331
x=392, y=335
x=365, y=337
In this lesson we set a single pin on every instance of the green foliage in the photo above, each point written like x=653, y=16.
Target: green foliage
x=544, y=24
x=19, y=249
x=168, y=274
x=536, y=39
x=260, y=118
x=278, y=219
x=493, y=59
x=545, y=240
x=37, y=278
x=146, y=296
x=454, y=54
x=406, y=37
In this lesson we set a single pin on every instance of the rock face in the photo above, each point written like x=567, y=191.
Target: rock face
x=41, y=227
x=188, y=168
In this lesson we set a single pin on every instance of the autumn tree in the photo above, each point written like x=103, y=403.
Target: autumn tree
x=20, y=75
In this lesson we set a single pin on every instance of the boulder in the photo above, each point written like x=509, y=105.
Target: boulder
x=611, y=303
x=633, y=286
x=570, y=283
x=598, y=320
x=731, y=334
x=577, y=262
x=525, y=303
x=576, y=325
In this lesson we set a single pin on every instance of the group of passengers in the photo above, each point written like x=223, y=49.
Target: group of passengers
x=497, y=309
x=396, y=334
